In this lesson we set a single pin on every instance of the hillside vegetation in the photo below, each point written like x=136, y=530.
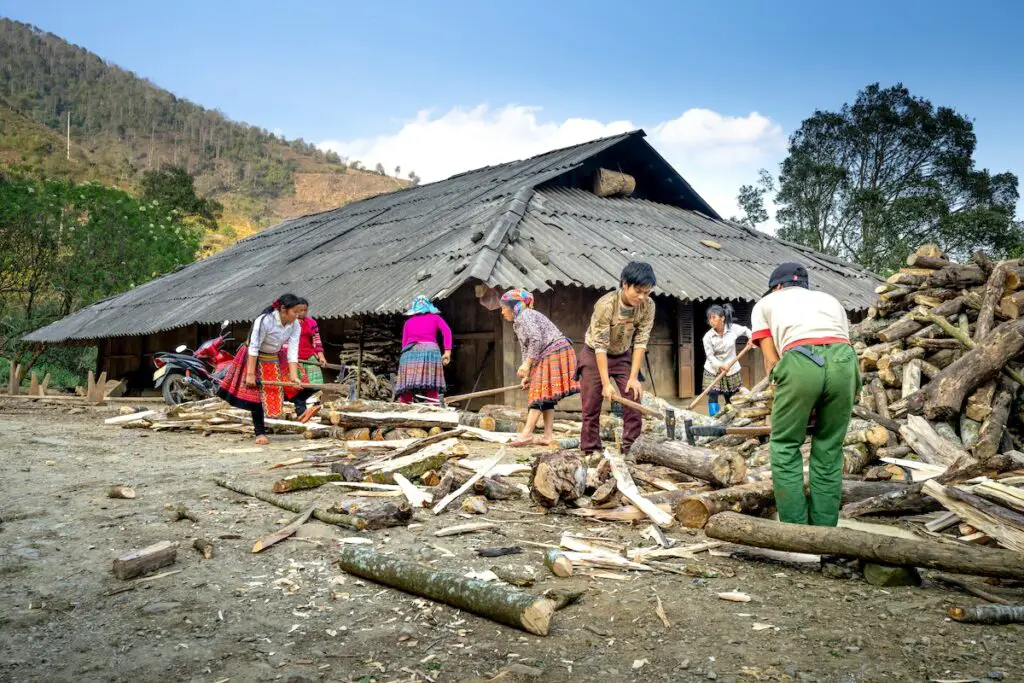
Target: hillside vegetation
x=123, y=125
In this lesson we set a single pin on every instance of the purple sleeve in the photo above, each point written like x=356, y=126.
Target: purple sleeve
x=446, y=332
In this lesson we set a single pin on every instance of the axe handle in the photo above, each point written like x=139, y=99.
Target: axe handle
x=636, y=406
x=718, y=379
x=480, y=394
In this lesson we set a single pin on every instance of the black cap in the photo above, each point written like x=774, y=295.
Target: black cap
x=788, y=274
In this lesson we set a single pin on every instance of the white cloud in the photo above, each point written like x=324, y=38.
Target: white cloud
x=716, y=153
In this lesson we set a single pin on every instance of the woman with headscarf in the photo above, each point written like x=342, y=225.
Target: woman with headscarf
x=549, y=363
x=421, y=367
x=260, y=361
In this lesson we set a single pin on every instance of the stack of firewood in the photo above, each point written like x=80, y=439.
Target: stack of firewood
x=373, y=358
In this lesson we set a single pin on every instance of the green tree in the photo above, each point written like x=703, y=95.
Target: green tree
x=174, y=189
x=887, y=173
x=414, y=179
x=751, y=200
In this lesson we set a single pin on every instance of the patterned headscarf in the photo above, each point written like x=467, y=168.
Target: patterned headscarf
x=518, y=299
x=421, y=305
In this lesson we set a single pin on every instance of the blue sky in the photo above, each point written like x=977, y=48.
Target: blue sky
x=439, y=87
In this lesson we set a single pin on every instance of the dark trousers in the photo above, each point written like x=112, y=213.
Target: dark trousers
x=590, y=392
x=259, y=425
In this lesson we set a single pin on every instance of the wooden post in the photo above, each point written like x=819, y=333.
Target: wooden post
x=33, y=385
x=14, y=387
x=359, y=361
x=44, y=385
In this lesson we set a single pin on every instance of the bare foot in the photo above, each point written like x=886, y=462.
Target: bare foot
x=521, y=441
x=262, y=440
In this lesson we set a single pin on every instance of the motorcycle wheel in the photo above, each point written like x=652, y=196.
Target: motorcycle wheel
x=176, y=390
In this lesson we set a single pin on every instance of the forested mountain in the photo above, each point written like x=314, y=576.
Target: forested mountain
x=123, y=125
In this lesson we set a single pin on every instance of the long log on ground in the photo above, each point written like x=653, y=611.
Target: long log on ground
x=991, y=433
x=853, y=491
x=944, y=396
x=751, y=499
x=301, y=482
x=292, y=506
x=375, y=515
x=722, y=469
x=504, y=605
x=987, y=614
x=966, y=559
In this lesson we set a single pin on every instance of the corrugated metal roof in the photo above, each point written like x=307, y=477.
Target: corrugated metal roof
x=501, y=224
x=586, y=240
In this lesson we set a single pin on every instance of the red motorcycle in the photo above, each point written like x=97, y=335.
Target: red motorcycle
x=193, y=375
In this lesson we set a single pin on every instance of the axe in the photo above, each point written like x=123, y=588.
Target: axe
x=669, y=416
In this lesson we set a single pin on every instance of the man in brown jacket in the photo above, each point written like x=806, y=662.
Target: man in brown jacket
x=613, y=354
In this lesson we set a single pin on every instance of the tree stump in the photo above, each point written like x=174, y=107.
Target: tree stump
x=557, y=478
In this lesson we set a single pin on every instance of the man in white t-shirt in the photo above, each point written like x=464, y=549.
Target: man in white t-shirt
x=804, y=336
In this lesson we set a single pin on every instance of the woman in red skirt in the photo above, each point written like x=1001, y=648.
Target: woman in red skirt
x=549, y=363
x=260, y=361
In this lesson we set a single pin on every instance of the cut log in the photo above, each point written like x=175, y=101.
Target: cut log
x=871, y=547
x=994, y=290
x=945, y=358
x=871, y=416
x=900, y=357
x=987, y=614
x=911, y=378
x=991, y=433
x=881, y=399
x=970, y=431
x=556, y=561
x=479, y=474
x=204, y=547
x=124, y=492
x=502, y=604
x=927, y=443
x=957, y=277
x=301, y=482
x=286, y=504
x=1002, y=524
x=944, y=396
x=628, y=489
x=876, y=435
x=558, y=478
x=613, y=183
x=1011, y=305
x=870, y=356
x=497, y=488
x=347, y=470
x=145, y=560
x=376, y=420
x=285, y=531
x=374, y=515
x=856, y=458
x=430, y=457
x=722, y=469
x=979, y=403
x=751, y=499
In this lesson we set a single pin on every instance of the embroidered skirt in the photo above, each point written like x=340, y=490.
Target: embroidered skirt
x=313, y=370
x=269, y=368
x=553, y=376
x=729, y=384
x=420, y=368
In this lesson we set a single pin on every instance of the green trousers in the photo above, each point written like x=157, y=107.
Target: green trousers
x=801, y=386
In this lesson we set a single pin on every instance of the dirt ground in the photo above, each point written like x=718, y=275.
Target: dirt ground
x=288, y=614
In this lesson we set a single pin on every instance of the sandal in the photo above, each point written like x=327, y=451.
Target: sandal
x=262, y=440
x=519, y=443
x=309, y=413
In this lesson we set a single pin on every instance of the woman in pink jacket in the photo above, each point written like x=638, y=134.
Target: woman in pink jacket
x=421, y=367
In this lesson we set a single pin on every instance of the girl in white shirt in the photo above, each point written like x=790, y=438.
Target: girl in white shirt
x=260, y=360
x=720, y=354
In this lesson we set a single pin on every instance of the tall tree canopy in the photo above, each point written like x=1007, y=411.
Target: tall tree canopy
x=891, y=171
x=173, y=189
